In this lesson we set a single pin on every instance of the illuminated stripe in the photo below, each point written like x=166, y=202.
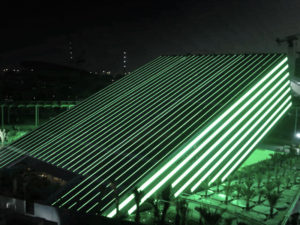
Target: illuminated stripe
x=83, y=189
x=174, y=159
x=264, y=133
x=244, y=127
x=222, y=138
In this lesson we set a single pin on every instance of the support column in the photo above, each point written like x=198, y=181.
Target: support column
x=8, y=115
x=292, y=56
x=2, y=116
x=37, y=116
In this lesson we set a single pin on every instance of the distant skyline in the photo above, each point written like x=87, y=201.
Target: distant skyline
x=100, y=33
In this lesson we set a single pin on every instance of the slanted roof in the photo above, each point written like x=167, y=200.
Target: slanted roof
x=178, y=120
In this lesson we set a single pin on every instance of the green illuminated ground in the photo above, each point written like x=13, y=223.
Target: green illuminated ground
x=258, y=155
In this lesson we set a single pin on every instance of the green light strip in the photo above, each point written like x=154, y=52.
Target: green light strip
x=220, y=139
x=256, y=142
x=72, y=153
x=154, y=165
x=228, y=59
x=205, y=131
x=106, y=92
x=23, y=144
x=201, y=135
x=120, y=184
x=261, y=117
x=172, y=117
x=121, y=206
x=133, y=208
x=106, y=98
x=95, y=115
x=120, y=138
x=92, y=190
x=133, y=117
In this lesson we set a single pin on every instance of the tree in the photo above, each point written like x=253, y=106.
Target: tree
x=287, y=180
x=228, y=190
x=181, y=211
x=155, y=207
x=137, y=198
x=272, y=198
x=117, y=199
x=278, y=182
x=3, y=136
x=295, y=177
x=260, y=193
x=258, y=178
x=205, y=186
x=218, y=182
x=248, y=194
x=166, y=197
x=249, y=182
x=238, y=188
x=269, y=186
x=208, y=216
x=178, y=216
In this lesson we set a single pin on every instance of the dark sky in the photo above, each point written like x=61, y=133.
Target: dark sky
x=27, y=23
x=146, y=29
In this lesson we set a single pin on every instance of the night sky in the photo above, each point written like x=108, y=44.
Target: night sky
x=100, y=32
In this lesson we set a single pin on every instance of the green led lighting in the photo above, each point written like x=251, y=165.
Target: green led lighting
x=223, y=136
x=261, y=117
x=195, y=140
x=135, y=118
x=92, y=174
x=107, y=93
x=95, y=114
x=121, y=183
x=143, y=131
x=77, y=107
x=264, y=133
x=93, y=190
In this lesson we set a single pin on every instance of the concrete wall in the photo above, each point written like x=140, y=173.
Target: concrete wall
x=43, y=211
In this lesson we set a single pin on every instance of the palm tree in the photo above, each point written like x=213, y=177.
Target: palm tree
x=268, y=176
x=272, y=198
x=287, y=180
x=218, y=182
x=258, y=178
x=117, y=198
x=137, y=198
x=166, y=197
x=295, y=177
x=249, y=182
x=209, y=217
x=248, y=194
x=260, y=192
x=228, y=190
x=269, y=187
x=3, y=136
x=155, y=207
x=184, y=210
x=278, y=183
x=205, y=186
x=178, y=216
x=181, y=211
x=228, y=221
x=238, y=188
